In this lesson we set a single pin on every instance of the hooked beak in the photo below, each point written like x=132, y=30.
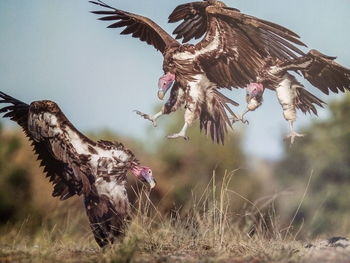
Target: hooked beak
x=161, y=94
x=151, y=182
x=148, y=177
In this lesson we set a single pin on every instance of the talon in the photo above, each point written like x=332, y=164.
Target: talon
x=244, y=121
x=241, y=119
x=292, y=136
x=236, y=117
x=178, y=135
x=146, y=117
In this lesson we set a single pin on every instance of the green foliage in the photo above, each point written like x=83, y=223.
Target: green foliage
x=325, y=151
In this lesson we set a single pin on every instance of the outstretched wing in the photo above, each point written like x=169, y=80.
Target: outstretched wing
x=61, y=164
x=194, y=18
x=269, y=39
x=235, y=45
x=139, y=26
x=320, y=70
x=326, y=74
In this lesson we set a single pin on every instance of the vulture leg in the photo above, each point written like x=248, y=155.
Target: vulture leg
x=181, y=134
x=153, y=118
x=293, y=133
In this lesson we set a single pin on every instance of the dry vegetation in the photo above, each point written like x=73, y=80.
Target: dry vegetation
x=265, y=214
x=209, y=231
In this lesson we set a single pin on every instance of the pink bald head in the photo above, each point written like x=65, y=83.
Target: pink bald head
x=255, y=88
x=144, y=174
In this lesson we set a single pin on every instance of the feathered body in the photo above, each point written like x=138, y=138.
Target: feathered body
x=77, y=165
x=230, y=55
x=320, y=70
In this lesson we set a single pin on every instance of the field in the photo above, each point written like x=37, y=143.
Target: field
x=208, y=232
x=204, y=209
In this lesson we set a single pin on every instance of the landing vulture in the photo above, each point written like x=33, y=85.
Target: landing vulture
x=230, y=54
x=77, y=165
x=320, y=70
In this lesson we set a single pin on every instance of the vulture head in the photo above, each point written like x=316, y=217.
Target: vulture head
x=144, y=174
x=254, y=95
x=165, y=83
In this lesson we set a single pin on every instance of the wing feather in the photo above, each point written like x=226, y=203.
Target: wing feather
x=213, y=117
x=245, y=41
x=60, y=171
x=321, y=71
x=152, y=34
x=305, y=101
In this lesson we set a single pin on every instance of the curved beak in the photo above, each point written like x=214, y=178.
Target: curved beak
x=161, y=94
x=148, y=177
x=152, y=182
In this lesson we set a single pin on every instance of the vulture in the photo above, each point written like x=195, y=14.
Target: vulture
x=76, y=165
x=230, y=54
x=320, y=70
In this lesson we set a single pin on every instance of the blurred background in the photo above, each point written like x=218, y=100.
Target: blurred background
x=57, y=50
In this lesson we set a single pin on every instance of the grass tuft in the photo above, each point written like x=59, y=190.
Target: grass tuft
x=208, y=229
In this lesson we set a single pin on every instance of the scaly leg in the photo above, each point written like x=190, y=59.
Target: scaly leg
x=293, y=133
x=153, y=118
x=181, y=134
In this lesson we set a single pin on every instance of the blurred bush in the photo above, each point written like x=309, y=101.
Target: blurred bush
x=325, y=153
x=15, y=183
x=184, y=170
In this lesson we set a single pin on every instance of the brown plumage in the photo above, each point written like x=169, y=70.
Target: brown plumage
x=230, y=54
x=76, y=165
x=320, y=70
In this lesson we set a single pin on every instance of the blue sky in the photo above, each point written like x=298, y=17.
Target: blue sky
x=56, y=49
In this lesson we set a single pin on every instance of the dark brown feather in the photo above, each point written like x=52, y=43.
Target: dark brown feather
x=56, y=170
x=152, y=34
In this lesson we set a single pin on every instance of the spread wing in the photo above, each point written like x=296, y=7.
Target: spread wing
x=60, y=161
x=140, y=27
x=235, y=45
x=269, y=38
x=195, y=20
x=321, y=71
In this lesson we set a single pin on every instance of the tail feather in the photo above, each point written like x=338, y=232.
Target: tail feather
x=106, y=223
x=306, y=102
x=213, y=117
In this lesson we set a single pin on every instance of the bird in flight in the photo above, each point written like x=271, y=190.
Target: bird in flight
x=231, y=53
x=320, y=70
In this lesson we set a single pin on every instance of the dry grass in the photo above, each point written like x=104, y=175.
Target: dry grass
x=207, y=231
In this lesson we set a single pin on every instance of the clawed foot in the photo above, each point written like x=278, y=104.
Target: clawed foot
x=244, y=121
x=178, y=135
x=147, y=117
x=239, y=118
x=292, y=136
